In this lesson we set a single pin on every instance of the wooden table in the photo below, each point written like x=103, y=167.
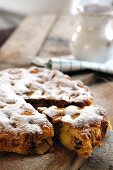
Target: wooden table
x=49, y=35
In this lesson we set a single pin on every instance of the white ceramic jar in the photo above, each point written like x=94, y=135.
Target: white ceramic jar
x=93, y=37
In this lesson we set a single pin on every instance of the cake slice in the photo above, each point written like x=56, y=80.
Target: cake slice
x=78, y=129
x=22, y=128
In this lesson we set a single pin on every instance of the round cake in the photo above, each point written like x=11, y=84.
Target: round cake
x=37, y=104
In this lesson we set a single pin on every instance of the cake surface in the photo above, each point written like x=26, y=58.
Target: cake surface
x=35, y=102
x=47, y=87
x=79, y=129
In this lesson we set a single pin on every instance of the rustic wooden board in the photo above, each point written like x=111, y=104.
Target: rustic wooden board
x=59, y=39
x=103, y=96
x=27, y=40
x=59, y=160
x=88, y=78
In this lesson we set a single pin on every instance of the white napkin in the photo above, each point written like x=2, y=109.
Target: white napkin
x=68, y=64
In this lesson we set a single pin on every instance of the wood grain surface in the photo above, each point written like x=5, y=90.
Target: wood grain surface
x=59, y=38
x=103, y=96
x=49, y=35
x=59, y=160
x=27, y=40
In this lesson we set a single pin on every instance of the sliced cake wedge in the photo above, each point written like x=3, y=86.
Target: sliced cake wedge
x=78, y=129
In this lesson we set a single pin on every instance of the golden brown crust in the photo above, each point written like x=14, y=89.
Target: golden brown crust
x=79, y=129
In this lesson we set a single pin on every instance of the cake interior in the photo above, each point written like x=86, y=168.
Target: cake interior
x=76, y=140
x=24, y=144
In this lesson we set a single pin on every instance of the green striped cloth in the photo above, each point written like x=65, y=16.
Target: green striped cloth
x=68, y=64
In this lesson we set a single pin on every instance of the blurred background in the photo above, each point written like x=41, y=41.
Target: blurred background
x=12, y=11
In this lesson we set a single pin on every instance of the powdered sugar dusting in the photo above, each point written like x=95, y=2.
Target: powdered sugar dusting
x=87, y=116
x=35, y=83
x=77, y=117
x=15, y=114
x=24, y=117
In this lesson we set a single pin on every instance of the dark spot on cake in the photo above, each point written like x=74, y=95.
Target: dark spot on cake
x=53, y=76
x=12, y=84
x=78, y=143
x=13, y=125
x=31, y=122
